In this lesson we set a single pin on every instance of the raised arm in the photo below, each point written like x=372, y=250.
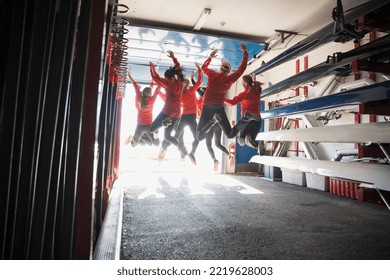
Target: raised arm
x=236, y=99
x=240, y=70
x=137, y=87
x=193, y=82
x=130, y=77
x=205, y=66
x=192, y=75
x=253, y=77
x=151, y=85
x=200, y=76
x=160, y=81
x=174, y=59
x=157, y=92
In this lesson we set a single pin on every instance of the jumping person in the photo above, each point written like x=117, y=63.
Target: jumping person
x=171, y=111
x=188, y=117
x=144, y=102
x=218, y=84
x=250, y=123
x=214, y=133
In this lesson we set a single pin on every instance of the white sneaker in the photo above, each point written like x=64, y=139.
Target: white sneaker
x=250, y=142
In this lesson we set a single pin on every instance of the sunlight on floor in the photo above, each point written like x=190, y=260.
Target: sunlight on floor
x=159, y=184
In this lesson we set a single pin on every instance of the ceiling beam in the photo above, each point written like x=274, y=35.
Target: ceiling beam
x=208, y=32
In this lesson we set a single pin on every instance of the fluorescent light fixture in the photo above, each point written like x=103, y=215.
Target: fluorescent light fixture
x=202, y=19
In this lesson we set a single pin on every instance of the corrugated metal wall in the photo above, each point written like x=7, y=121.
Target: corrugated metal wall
x=54, y=57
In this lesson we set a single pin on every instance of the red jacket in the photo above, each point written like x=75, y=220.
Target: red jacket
x=249, y=99
x=188, y=98
x=173, y=88
x=219, y=82
x=145, y=116
x=199, y=106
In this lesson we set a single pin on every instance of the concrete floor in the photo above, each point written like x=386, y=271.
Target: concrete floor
x=181, y=215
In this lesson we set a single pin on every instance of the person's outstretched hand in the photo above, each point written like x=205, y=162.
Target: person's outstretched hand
x=171, y=54
x=243, y=47
x=213, y=53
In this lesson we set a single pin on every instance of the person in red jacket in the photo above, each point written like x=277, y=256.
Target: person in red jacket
x=250, y=123
x=188, y=117
x=144, y=102
x=214, y=133
x=218, y=84
x=171, y=111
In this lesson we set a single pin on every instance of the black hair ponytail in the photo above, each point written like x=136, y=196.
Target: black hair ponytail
x=174, y=71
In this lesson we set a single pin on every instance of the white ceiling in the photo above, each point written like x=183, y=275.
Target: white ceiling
x=251, y=20
x=156, y=26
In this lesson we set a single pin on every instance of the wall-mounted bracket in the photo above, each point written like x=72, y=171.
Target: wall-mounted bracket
x=285, y=34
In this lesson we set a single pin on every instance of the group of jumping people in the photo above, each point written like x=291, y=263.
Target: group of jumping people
x=204, y=114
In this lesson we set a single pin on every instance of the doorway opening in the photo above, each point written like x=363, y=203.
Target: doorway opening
x=143, y=158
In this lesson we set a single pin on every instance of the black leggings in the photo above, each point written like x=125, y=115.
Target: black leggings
x=215, y=132
x=208, y=112
x=251, y=130
x=143, y=135
x=157, y=124
x=186, y=120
